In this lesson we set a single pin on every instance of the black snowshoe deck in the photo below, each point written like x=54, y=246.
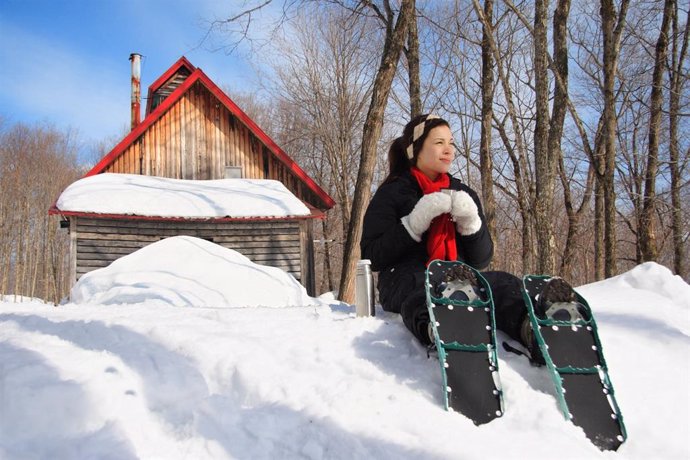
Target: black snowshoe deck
x=575, y=359
x=462, y=317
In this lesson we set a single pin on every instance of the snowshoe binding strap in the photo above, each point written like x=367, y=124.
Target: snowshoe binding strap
x=565, y=311
x=459, y=290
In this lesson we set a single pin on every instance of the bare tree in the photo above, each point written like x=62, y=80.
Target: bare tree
x=545, y=159
x=412, y=55
x=560, y=106
x=324, y=76
x=485, y=150
x=548, y=136
x=397, y=27
x=677, y=77
x=612, y=28
x=514, y=143
x=646, y=227
x=36, y=163
x=323, y=80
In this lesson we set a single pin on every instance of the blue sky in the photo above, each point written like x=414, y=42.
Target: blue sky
x=66, y=62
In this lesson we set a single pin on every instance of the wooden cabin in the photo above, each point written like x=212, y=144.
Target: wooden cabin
x=192, y=130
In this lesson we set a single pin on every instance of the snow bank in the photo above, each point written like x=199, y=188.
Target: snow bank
x=21, y=298
x=132, y=194
x=656, y=278
x=652, y=294
x=190, y=272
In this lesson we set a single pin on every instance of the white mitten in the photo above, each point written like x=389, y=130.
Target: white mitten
x=429, y=206
x=465, y=213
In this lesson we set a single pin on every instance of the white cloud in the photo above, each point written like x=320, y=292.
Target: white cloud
x=44, y=80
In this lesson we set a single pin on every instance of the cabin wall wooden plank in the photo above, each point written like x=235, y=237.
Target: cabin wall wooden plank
x=99, y=242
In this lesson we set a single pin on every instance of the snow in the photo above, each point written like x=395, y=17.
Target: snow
x=186, y=350
x=131, y=194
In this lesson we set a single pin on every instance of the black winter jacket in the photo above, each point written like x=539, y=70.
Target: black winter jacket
x=400, y=260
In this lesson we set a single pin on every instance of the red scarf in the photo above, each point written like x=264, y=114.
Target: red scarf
x=440, y=242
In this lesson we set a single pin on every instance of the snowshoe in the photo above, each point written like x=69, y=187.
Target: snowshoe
x=463, y=327
x=566, y=334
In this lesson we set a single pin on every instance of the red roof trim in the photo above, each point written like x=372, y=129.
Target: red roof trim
x=198, y=74
x=153, y=87
x=315, y=214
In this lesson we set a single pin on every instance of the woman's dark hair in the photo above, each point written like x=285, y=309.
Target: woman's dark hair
x=399, y=151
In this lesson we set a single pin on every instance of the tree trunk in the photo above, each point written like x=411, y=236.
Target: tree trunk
x=412, y=54
x=518, y=155
x=607, y=186
x=560, y=104
x=574, y=218
x=485, y=155
x=395, y=38
x=543, y=157
x=599, y=228
x=676, y=78
x=612, y=27
x=646, y=233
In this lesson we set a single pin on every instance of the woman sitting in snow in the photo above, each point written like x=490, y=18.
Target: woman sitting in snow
x=403, y=231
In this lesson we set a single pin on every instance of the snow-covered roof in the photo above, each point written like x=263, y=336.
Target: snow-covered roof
x=131, y=194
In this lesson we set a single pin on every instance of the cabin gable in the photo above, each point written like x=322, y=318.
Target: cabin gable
x=199, y=139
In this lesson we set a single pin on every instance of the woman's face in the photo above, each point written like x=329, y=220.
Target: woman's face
x=437, y=153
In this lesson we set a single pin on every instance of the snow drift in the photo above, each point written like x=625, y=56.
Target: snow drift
x=184, y=271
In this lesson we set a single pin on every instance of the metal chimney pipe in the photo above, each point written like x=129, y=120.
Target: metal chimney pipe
x=136, y=88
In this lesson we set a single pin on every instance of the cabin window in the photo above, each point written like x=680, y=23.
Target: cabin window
x=233, y=172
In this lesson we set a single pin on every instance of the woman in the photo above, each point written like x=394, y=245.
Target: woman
x=412, y=219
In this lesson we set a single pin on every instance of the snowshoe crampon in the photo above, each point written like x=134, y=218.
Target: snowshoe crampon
x=462, y=318
x=567, y=336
